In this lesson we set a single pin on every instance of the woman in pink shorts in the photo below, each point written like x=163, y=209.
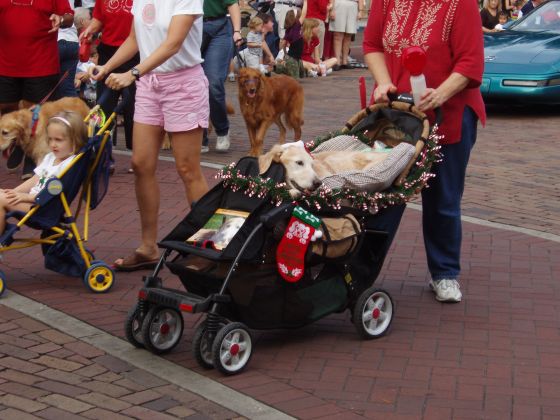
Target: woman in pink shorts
x=172, y=96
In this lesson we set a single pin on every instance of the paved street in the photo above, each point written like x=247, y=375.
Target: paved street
x=496, y=355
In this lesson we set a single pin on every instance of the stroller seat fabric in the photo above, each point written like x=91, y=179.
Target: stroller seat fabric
x=374, y=179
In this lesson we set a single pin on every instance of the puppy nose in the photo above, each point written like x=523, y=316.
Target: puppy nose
x=317, y=183
x=4, y=132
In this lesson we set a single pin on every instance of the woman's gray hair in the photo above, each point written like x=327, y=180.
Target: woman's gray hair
x=81, y=15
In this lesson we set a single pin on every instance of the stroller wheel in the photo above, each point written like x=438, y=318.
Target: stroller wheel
x=232, y=348
x=99, y=277
x=373, y=313
x=202, y=347
x=2, y=282
x=133, y=327
x=162, y=329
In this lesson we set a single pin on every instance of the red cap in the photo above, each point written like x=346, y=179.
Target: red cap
x=414, y=60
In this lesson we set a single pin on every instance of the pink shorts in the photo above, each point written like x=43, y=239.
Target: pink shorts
x=176, y=101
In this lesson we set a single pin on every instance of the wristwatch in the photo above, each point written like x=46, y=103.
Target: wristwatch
x=135, y=72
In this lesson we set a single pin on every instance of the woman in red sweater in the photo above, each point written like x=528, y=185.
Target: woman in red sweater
x=449, y=32
x=114, y=20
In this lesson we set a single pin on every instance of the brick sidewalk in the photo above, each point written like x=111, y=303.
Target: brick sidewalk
x=50, y=375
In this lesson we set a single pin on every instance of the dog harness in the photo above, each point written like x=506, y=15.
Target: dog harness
x=35, y=119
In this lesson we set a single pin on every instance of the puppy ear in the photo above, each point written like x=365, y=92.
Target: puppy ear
x=272, y=156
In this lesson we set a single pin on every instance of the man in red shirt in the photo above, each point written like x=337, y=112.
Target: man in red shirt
x=29, y=66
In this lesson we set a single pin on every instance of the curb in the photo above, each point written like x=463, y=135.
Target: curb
x=142, y=359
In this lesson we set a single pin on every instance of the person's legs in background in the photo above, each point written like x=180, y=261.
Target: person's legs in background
x=68, y=57
x=217, y=49
x=337, y=45
x=128, y=114
x=321, y=36
x=347, y=38
x=441, y=212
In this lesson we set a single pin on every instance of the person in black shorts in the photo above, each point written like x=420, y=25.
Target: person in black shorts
x=29, y=66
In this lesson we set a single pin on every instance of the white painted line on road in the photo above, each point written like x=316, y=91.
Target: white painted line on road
x=501, y=226
x=172, y=159
x=142, y=359
x=494, y=225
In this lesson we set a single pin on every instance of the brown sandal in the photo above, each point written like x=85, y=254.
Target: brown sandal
x=136, y=261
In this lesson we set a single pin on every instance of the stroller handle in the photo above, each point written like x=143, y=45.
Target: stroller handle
x=108, y=94
x=407, y=98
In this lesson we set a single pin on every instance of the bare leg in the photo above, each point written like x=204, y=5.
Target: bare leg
x=337, y=45
x=345, y=49
x=146, y=142
x=186, y=150
x=5, y=207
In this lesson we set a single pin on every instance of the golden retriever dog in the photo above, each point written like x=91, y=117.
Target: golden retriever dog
x=264, y=100
x=15, y=127
x=304, y=171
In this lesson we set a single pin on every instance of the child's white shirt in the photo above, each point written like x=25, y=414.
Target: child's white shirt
x=151, y=23
x=47, y=170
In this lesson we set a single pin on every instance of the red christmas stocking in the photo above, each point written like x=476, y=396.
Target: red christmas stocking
x=290, y=254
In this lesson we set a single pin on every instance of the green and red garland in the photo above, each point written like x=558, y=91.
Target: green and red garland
x=417, y=178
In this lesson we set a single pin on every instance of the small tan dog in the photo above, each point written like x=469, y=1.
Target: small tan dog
x=15, y=127
x=305, y=171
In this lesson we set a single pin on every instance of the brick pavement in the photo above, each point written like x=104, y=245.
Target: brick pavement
x=496, y=355
x=46, y=374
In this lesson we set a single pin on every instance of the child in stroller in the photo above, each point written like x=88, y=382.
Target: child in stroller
x=240, y=287
x=78, y=165
x=66, y=134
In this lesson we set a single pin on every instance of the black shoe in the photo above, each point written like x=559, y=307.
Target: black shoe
x=15, y=159
x=345, y=66
x=28, y=167
x=336, y=67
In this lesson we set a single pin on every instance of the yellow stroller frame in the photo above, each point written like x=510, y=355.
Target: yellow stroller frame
x=98, y=277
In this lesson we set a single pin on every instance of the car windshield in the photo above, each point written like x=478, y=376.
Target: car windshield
x=545, y=18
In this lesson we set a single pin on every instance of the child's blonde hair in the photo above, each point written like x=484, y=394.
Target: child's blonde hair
x=254, y=22
x=75, y=127
x=307, y=28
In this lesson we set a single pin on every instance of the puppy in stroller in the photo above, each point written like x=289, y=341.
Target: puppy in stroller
x=276, y=271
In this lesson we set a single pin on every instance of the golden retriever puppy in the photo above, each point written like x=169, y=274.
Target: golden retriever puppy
x=304, y=171
x=264, y=100
x=16, y=127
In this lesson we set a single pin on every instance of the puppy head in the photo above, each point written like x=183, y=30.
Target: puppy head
x=13, y=127
x=300, y=176
x=249, y=81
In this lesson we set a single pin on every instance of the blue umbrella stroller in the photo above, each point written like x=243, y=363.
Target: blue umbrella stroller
x=62, y=243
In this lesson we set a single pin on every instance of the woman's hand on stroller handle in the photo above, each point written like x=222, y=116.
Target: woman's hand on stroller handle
x=97, y=72
x=382, y=92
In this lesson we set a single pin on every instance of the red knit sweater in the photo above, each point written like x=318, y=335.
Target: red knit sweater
x=449, y=32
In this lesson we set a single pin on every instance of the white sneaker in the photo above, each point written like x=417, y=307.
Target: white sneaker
x=204, y=149
x=222, y=143
x=312, y=73
x=446, y=290
x=231, y=77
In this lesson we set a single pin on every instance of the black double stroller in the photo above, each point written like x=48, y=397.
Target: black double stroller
x=239, y=287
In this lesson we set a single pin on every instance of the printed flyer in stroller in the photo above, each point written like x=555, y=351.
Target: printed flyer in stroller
x=219, y=230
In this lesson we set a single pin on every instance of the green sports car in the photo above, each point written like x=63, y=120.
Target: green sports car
x=522, y=62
